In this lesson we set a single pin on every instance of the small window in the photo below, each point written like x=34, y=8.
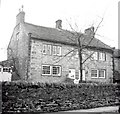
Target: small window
x=49, y=49
x=54, y=50
x=102, y=56
x=56, y=70
x=94, y=74
x=102, y=73
x=95, y=56
x=46, y=70
x=0, y=69
x=58, y=50
x=44, y=49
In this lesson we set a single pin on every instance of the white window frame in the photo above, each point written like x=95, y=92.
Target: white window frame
x=59, y=74
x=58, y=49
x=44, y=48
x=49, y=49
x=102, y=56
x=54, y=50
x=104, y=73
x=91, y=73
x=98, y=73
x=95, y=55
x=43, y=69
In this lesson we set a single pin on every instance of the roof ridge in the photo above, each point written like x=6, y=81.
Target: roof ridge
x=39, y=25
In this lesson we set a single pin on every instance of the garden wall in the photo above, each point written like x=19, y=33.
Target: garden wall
x=27, y=97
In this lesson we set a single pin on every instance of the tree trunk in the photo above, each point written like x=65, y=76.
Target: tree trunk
x=80, y=64
x=80, y=58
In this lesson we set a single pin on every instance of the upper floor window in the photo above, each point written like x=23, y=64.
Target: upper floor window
x=49, y=49
x=46, y=49
x=98, y=56
x=102, y=56
x=95, y=56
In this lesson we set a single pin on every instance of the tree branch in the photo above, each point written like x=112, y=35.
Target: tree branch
x=65, y=55
x=88, y=58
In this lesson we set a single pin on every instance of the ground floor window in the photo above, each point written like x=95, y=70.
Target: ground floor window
x=94, y=74
x=54, y=70
x=101, y=73
x=46, y=70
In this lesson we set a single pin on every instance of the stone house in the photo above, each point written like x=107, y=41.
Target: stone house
x=41, y=54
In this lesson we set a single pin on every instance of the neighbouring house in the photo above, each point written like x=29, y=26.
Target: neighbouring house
x=5, y=71
x=40, y=54
x=117, y=64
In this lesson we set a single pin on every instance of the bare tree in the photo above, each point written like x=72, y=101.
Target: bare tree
x=79, y=39
x=14, y=63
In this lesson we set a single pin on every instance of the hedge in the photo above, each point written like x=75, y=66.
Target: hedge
x=44, y=97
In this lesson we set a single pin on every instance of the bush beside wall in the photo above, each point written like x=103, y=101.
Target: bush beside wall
x=27, y=97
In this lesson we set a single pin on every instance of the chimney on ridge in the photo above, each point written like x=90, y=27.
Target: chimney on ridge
x=20, y=17
x=59, y=24
x=89, y=31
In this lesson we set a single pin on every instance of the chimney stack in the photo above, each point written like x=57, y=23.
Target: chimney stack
x=59, y=24
x=89, y=31
x=20, y=17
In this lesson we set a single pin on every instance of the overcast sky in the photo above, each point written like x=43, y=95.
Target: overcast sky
x=45, y=12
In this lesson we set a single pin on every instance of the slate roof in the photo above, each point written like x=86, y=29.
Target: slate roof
x=61, y=36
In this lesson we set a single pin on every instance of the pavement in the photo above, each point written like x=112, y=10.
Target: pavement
x=100, y=109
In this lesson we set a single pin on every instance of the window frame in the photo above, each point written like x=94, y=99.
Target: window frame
x=104, y=73
x=102, y=56
x=42, y=70
x=60, y=50
x=54, y=50
x=59, y=70
x=51, y=70
x=43, y=48
x=91, y=73
x=49, y=49
x=98, y=70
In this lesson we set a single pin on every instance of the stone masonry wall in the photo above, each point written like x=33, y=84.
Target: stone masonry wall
x=37, y=59
x=19, y=46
